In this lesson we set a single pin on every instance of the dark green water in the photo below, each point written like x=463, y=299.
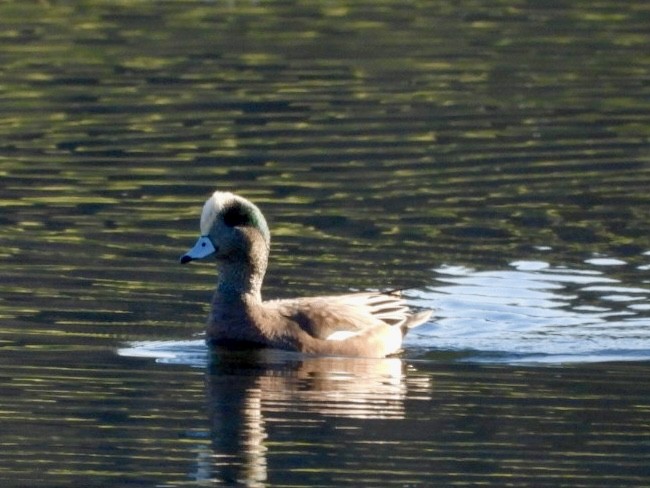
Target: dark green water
x=492, y=157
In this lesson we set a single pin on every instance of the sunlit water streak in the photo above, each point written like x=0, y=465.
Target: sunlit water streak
x=535, y=313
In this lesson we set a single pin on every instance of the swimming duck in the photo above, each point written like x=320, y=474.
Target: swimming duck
x=235, y=234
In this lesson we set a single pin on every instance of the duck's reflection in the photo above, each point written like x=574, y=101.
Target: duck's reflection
x=250, y=391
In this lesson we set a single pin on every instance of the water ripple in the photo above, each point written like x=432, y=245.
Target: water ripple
x=535, y=312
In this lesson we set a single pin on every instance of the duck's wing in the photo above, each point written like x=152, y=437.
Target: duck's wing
x=343, y=316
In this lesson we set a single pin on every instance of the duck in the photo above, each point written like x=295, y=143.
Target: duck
x=235, y=235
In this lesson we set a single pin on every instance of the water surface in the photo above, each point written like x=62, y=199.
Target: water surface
x=489, y=157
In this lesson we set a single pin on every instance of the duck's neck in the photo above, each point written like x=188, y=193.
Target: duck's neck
x=229, y=290
x=240, y=282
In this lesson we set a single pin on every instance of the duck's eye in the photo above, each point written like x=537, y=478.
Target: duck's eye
x=235, y=216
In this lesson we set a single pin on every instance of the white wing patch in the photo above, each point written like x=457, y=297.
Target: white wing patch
x=341, y=335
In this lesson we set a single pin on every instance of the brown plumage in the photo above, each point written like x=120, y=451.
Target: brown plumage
x=234, y=231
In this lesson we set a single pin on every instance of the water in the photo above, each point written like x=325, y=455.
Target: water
x=490, y=157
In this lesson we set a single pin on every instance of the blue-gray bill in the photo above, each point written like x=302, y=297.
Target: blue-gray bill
x=201, y=250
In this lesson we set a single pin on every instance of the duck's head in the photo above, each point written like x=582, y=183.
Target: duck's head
x=232, y=230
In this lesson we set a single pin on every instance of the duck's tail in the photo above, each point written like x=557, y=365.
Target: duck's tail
x=405, y=319
x=414, y=320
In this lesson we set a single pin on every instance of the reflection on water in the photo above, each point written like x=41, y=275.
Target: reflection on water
x=354, y=388
x=248, y=390
x=243, y=402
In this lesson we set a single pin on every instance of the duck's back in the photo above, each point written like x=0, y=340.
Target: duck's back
x=341, y=316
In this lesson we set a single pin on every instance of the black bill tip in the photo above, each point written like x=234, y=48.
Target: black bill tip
x=185, y=259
